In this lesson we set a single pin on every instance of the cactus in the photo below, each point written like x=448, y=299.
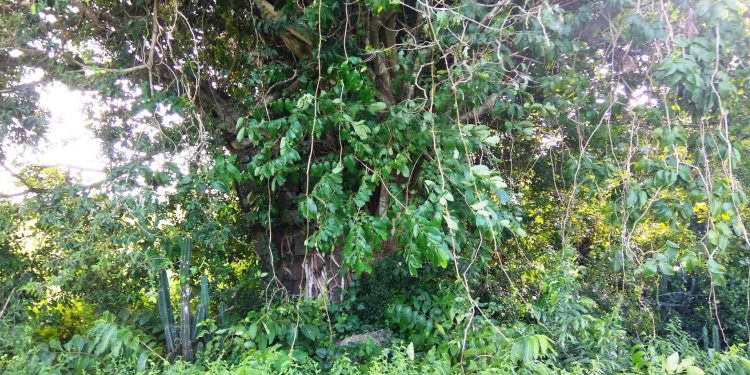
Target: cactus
x=189, y=324
x=221, y=320
x=185, y=329
x=204, y=291
x=715, y=337
x=704, y=335
x=204, y=302
x=165, y=310
x=200, y=315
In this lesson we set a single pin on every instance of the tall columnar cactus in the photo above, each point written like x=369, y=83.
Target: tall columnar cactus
x=189, y=324
x=200, y=315
x=204, y=304
x=704, y=334
x=715, y=344
x=715, y=337
x=204, y=291
x=221, y=321
x=185, y=328
x=165, y=310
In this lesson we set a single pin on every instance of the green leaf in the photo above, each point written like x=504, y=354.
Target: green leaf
x=311, y=207
x=452, y=225
x=666, y=268
x=480, y=170
x=672, y=362
x=106, y=338
x=376, y=107
x=650, y=268
x=492, y=140
x=361, y=129
x=77, y=342
x=338, y=168
x=440, y=329
x=141, y=363
x=479, y=205
x=724, y=228
x=55, y=344
x=309, y=331
x=715, y=268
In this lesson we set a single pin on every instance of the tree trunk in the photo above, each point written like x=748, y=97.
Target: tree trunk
x=296, y=269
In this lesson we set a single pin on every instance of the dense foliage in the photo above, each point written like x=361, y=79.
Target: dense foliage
x=386, y=187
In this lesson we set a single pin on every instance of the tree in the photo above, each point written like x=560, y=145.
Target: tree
x=337, y=152
x=394, y=131
x=525, y=185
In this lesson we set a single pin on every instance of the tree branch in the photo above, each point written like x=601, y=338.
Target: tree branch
x=478, y=111
x=94, y=17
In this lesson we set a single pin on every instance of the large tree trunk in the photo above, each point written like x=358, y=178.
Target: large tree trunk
x=298, y=270
x=282, y=251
